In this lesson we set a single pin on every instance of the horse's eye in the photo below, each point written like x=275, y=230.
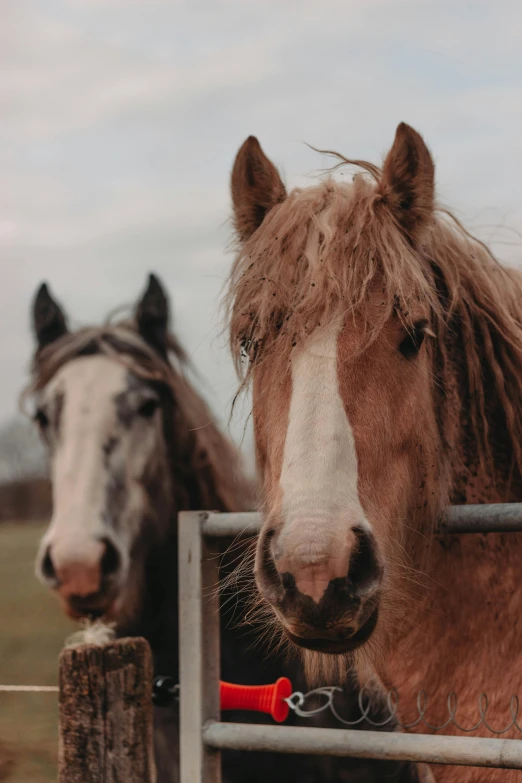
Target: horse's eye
x=148, y=408
x=250, y=348
x=411, y=344
x=41, y=418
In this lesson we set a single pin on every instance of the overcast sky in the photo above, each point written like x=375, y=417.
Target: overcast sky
x=121, y=119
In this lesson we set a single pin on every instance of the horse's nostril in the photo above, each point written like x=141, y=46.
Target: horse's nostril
x=47, y=567
x=365, y=570
x=288, y=581
x=111, y=559
x=268, y=578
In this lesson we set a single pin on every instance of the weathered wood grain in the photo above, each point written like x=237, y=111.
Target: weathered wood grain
x=106, y=729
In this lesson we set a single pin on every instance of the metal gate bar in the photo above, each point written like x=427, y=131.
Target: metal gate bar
x=490, y=518
x=393, y=746
x=202, y=736
x=486, y=518
x=199, y=656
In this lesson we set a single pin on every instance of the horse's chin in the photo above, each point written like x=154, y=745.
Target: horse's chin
x=77, y=610
x=337, y=646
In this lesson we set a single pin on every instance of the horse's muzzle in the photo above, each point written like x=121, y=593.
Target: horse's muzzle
x=329, y=615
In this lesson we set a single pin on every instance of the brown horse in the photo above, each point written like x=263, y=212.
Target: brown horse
x=131, y=444
x=384, y=344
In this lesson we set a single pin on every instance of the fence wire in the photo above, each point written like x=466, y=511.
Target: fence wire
x=29, y=689
x=165, y=691
x=298, y=701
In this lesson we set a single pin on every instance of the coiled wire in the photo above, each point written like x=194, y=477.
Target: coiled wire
x=297, y=702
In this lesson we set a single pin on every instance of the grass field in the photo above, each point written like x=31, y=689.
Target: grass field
x=32, y=631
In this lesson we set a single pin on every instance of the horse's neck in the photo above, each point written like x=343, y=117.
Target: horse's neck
x=470, y=583
x=458, y=567
x=455, y=565
x=156, y=616
x=472, y=480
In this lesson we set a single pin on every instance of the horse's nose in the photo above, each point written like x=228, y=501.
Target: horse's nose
x=81, y=572
x=324, y=605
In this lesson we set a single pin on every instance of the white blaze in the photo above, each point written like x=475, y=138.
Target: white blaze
x=88, y=418
x=319, y=473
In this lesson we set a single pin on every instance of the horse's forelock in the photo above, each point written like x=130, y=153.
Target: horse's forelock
x=317, y=254
x=119, y=341
x=322, y=251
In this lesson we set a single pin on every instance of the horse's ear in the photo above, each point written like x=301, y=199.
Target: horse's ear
x=49, y=322
x=256, y=187
x=152, y=315
x=408, y=181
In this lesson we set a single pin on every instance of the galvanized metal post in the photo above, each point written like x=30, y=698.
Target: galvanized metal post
x=199, y=664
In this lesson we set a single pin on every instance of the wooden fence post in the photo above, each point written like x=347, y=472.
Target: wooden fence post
x=106, y=724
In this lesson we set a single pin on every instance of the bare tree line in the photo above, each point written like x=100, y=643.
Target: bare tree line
x=22, y=455
x=25, y=491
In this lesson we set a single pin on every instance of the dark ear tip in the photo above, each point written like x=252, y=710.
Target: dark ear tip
x=154, y=303
x=251, y=146
x=42, y=298
x=408, y=133
x=152, y=314
x=49, y=322
x=154, y=286
x=42, y=290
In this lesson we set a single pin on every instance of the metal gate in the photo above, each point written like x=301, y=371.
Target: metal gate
x=203, y=736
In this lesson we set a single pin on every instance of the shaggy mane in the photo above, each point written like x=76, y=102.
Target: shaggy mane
x=122, y=342
x=323, y=249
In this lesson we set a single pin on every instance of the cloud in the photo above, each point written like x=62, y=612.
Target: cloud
x=121, y=121
x=49, y=222
x=63, y=79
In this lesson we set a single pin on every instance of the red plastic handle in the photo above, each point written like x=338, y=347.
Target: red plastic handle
x=258, y=698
